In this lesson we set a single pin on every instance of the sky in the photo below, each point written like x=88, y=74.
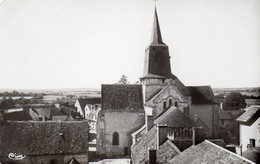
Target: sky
x=85, y=43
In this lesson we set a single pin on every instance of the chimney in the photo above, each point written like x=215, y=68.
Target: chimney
x=197, y=135
x=148, y=122
x=162, y=132
x=251, y=143
x=152, y=156
x=196, y=118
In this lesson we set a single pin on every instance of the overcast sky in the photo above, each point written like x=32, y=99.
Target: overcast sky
x=85, y=43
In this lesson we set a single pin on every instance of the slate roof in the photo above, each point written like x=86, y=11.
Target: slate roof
x=250, y=115
x=43, y=137
x=90, y=100
x=208, y=152
x=121, y=97
x=173, y=117
x=202, y=95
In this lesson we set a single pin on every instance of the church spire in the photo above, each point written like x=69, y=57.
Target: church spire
x=157, y=59
x=156, y=32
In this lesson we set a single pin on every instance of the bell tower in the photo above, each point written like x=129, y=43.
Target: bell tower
x=157, y=67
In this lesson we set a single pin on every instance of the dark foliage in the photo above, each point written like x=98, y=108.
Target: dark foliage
x=234, y=101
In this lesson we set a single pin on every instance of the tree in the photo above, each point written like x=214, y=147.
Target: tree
x=234, y=101
x=123, y=80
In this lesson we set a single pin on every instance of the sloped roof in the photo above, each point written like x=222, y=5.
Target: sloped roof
x=166, y=152
x=156, y=33
x=224, y=115
x=43, y=137
x=182, y=144
x=73, y=161
x=139, y=152
x=173, y=117
x=208, y=152
x=252, y=154
x=55, y=112
x=250, y=115
x=17, y=116
x=121, y=97
x=90, y=100
x=176, y=83
x=202, y=95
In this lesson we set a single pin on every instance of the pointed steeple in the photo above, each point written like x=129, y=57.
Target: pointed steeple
x=157, y=59
x=156, y=32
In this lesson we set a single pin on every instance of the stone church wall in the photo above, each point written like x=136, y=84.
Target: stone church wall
x=124, y=123
x=207, y=114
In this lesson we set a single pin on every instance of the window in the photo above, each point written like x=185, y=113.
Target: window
x=170, y=102
x=115, y=139
x=164, y=105
x=176, y=104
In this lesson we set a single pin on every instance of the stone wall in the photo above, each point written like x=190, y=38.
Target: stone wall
x=124, y=123
x=208, y=115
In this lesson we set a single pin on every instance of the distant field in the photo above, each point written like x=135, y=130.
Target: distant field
x=16, y=97
x=244, y=91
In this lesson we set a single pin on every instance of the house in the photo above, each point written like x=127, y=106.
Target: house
x=208, y=152
x=249, y=128
x=89, y=108
x=167, y=136
x=16, y=114
x=122, y=113
x=43, y=142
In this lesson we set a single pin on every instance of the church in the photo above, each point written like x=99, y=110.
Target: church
x=130, y=111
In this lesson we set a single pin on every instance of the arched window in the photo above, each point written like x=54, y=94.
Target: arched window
x=170, y=102
x=115, y=139
x=164, y=105
x=176, y=104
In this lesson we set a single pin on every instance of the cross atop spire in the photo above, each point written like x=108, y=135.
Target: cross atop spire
x=156, y=32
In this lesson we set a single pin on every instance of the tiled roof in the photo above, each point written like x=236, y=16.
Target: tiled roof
x=251, y=114
x=122, y=97
x=43, y=137
x=18, y=116
x=252, y=154
x=139, y=152
x=208, y=152
x=173, y=117
x=182, y=144
x=166, y=152
x=202, y=95
x=89, y=100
